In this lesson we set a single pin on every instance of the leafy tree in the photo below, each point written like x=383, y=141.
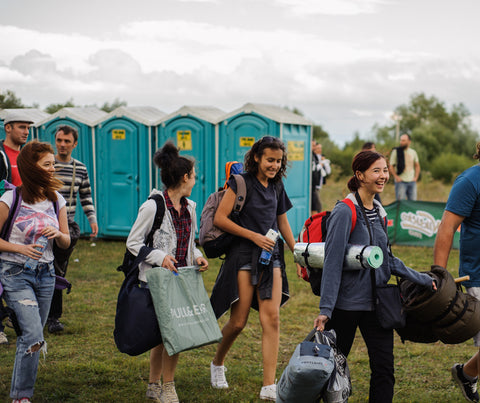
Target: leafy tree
x=52, y=108
x=8, y=100
x=434, y=129
x=107, y=107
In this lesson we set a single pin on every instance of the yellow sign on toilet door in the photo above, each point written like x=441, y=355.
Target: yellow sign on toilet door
x=184, y=139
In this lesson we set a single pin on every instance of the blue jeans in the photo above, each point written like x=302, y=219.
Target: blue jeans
x=406, y=190
x=29, y=293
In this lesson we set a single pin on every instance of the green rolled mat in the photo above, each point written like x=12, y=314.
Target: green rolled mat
x=357, y=257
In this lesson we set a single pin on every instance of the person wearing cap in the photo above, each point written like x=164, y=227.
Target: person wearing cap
x=17, y=125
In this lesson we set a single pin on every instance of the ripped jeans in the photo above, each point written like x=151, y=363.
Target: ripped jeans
x=29, y=293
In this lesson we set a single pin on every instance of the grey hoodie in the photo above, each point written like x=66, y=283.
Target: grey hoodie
x=352, y=290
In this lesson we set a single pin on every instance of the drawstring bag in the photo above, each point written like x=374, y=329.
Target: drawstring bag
x=183, y=309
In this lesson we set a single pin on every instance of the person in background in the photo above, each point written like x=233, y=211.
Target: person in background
x=17, y=128
x=369, y=146
x=74, y=176
x=463, y=209
x=28, y=290
x=174, y=246
x=320, y=170
x=244, y=281
x=315, y=205
x=347, y=301
x=405, y=168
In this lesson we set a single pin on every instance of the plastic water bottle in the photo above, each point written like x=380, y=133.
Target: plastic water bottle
x=32, y=263
x=266, y=255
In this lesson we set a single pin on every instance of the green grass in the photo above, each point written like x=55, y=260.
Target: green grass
x=83, y=364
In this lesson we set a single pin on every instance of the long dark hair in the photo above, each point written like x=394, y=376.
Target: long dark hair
x=250, y=165
x=36, y=182
x=361, y=162
x=173, y=166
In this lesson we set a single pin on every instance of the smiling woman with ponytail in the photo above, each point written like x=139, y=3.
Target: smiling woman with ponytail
x=348, y=296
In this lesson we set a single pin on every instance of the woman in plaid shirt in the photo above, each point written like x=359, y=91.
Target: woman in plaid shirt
x=174, y=244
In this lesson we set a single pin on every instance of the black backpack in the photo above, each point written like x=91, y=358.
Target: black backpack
x=128, y=257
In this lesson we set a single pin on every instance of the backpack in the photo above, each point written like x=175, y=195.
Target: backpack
x=214, y=241
x=129, y=257
x=315, y=230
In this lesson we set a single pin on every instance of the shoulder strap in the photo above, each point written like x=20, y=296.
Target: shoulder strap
x=12, y=214
x=241, y=193
x=72, y=185
x=350, y=204
x=157, y=222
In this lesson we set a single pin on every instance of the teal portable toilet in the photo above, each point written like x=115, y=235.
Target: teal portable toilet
x=82, y=119
x=193, y=130
x=124, y=146
x=238, y=131
x=36, y=115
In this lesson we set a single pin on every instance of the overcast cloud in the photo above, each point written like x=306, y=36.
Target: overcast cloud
x=346, y=64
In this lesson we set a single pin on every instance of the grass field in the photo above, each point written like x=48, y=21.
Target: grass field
x=83, y=364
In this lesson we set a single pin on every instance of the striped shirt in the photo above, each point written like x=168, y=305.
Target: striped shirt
x=183, y=227
x=371, y=214
x=64, y=172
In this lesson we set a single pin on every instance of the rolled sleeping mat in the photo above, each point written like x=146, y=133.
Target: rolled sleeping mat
x=466, y=323
x=357, y=257
x=426, y=305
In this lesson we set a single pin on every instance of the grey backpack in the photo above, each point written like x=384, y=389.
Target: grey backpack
x=214, y=241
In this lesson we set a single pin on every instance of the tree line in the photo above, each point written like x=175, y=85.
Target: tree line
x=443, y=137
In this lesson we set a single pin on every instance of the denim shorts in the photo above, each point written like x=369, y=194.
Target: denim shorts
x=248, y=267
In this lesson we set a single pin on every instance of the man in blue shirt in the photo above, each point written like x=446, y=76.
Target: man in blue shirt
x=463, y=208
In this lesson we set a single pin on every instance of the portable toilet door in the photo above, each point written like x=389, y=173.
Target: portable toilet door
x=297, y=140
x=192, y=130
x=242, y=127
x=123, y=151
x=237, y=133
x=83, y=120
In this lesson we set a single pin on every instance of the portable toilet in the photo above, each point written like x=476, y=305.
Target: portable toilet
x=124, y=146
x=83, y=120
x=193, y=130
x=238, y=131
x=36, y=115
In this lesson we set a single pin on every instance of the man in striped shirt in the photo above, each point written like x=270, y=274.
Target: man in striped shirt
x=74, y=175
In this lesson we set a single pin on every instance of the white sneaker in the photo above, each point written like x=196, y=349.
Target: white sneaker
x=217, y=376
x=3, y=338
x=269, y=392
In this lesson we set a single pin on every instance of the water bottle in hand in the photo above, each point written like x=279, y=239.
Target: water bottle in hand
x=266, y=255
x=32, y=263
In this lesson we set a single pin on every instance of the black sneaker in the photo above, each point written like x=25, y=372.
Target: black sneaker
x=469, y=389
x=54, y=325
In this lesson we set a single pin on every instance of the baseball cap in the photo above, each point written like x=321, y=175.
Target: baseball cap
x=17, y=116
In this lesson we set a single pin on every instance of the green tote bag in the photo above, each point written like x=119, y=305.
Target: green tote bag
x=183, y=309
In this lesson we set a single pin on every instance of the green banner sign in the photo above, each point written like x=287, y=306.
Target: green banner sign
x=415, y=223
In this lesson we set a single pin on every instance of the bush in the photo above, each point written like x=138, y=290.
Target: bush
x=447, y=166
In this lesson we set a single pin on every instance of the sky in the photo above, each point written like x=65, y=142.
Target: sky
x=345, y=64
